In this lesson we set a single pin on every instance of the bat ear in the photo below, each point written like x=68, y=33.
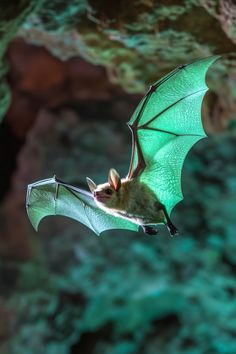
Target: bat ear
x=91, y=184
x=114, y=179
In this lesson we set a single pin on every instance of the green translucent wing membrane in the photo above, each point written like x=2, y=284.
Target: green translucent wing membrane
x=165, y=125
x=53, y=197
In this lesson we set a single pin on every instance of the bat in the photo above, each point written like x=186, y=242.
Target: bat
x=165, y=126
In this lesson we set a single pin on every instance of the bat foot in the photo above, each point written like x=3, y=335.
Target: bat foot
x=172, y=230
x=149, y=230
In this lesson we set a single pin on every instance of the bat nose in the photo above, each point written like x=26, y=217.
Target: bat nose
x=96, y=194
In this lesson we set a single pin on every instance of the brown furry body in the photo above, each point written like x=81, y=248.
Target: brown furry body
x=133, y=201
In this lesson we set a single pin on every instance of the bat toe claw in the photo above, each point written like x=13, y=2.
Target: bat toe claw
x=173, y=231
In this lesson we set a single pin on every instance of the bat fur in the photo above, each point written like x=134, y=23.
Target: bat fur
x=133, y=200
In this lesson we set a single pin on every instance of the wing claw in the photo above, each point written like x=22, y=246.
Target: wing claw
x=182, y=66
x=152, y=88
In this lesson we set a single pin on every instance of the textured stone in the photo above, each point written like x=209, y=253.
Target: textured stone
x=39, y=80
x=64, y=291
x=11, y=18
x=139, y=42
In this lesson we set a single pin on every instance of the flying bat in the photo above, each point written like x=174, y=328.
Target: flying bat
x=164, y=127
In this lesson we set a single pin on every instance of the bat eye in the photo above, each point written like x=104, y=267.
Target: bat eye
x=108, y=191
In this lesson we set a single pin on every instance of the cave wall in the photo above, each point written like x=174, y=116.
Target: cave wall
x=76, y=70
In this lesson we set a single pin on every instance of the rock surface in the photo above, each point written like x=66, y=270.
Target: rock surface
x=64, y=291
x=11, y=18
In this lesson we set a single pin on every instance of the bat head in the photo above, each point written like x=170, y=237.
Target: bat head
x=106, y=194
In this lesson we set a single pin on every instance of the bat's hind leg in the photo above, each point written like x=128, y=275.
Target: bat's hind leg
x=171, y=227
x=149, y=230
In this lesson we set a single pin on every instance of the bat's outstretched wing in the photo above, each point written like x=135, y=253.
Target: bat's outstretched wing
x=54, y=197
x=165, y=125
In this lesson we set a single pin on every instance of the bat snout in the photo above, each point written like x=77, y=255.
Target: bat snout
x=97, y=193
x=100, y=196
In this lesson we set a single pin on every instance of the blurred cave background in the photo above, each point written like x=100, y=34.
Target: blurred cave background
x=72, y=73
